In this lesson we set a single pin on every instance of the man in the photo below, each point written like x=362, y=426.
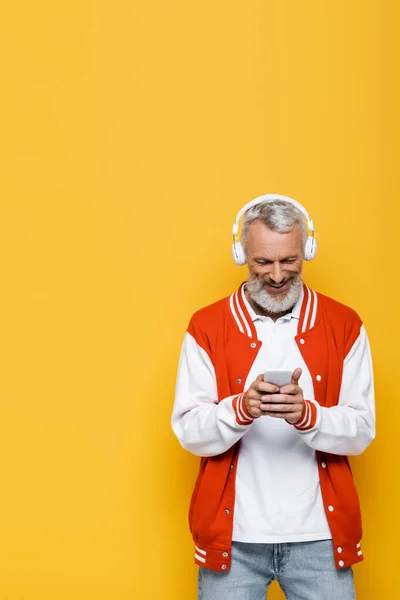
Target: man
x=275, y=497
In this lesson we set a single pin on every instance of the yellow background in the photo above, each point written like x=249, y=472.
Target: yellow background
x=130, y=135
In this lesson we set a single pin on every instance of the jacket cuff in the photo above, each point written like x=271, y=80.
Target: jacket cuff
x=309, y=418
x=243, y=417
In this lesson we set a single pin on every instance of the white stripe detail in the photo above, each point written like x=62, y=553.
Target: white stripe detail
x=309, y=416
x=242, y=315
x=201, y=551
x=304, y=419
x=200, y=558
x=240, y=408
x=307, y=310
x=314, y=313
x=235, y=315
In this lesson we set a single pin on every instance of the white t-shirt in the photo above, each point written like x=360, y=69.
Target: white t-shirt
x=278, y=497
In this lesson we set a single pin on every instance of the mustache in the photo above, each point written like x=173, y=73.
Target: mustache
x=277, y=285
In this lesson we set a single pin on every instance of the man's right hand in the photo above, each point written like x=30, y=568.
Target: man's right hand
x=252, y=398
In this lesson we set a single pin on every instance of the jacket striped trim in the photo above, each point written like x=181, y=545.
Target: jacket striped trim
x=199, y=552
x=239, y=406
x=308, y=419
x=244, y=322
x=308, y=313
x=241, y=315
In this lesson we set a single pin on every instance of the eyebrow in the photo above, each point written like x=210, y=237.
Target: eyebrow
x=292, y=256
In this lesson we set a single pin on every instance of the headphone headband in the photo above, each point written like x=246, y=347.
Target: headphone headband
x=271, y=198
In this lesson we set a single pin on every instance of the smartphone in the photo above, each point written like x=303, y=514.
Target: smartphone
x=278, y=377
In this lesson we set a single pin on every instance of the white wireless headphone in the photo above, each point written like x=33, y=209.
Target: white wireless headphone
x=238, y=253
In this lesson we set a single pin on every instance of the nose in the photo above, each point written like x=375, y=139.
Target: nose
x=276, y=274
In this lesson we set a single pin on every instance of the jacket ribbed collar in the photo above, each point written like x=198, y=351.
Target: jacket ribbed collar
x=244, y=322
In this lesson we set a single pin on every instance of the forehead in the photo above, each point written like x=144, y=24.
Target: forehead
x=266, y=243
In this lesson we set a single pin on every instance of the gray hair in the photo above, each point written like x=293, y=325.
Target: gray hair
x=278, y=215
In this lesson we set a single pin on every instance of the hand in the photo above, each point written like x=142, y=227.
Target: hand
x=255, y=394
x=287, y=404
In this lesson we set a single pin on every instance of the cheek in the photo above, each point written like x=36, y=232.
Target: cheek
x=299, y=268
x=295, y=268
x=256, y=271
x=261, y=274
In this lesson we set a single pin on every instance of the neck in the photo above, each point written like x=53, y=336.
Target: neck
x=260, y=311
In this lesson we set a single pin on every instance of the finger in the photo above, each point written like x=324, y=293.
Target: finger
x=290, y=388
x=266, y=387
x=277, y=408
x=279, y=399
x=296, y=376
x=253, y=395
x=253, y=406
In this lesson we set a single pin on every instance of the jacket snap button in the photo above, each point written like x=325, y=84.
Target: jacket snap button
x=341, y=563
x=227, y=511
x=330, y=508
x=302, y=341
x=238, y=380
x=318, y=378
x=253, y=344
x=339, y=549
x=224, y=554
x=323, y=465
x=224, y=567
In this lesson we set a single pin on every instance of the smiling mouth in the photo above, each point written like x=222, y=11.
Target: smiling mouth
x=277, y=287
x=277, y=290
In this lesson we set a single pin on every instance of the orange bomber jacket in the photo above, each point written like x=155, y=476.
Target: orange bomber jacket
x=327, y=331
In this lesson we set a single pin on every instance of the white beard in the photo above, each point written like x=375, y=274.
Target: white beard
x=274, y=304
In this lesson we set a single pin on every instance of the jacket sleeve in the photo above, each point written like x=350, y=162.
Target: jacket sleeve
x=349, y=427
x=203, y=425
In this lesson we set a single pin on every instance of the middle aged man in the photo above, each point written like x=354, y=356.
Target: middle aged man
x=275, y=497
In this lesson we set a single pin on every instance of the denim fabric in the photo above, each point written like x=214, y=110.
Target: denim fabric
x=304, y=570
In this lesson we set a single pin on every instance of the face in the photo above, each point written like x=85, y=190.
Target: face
x=275, y=264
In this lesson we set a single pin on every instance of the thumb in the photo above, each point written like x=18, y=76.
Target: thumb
x=296, y=376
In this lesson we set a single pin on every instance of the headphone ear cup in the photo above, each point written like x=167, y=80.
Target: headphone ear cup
x=238, y=254
x=310, y=249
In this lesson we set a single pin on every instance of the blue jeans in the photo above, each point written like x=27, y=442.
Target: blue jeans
x=304, y=570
